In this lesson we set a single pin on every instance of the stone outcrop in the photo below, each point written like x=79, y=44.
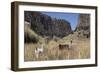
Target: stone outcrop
x=84, y=25
x=45, y=25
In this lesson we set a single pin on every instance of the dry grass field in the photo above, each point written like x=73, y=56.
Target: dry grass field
x=80, y=49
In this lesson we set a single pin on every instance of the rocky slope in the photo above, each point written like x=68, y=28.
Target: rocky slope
x=83, y=26
x=44, y=25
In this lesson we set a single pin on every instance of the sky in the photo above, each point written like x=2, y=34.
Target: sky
x=70, y=17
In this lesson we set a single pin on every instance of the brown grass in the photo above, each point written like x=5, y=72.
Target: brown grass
x=80, y=50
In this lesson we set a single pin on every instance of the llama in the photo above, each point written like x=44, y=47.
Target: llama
x=66, y=45
x=63, y=46
x=39, y=50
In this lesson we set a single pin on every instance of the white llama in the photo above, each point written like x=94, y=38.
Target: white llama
x=39, y=50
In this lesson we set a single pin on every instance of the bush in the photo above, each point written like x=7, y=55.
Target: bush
x=30, y=36
x=30, y=39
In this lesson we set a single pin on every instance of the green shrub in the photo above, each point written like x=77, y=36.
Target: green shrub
x=30, y=36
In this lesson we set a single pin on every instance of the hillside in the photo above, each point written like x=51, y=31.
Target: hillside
x=44, y=25
x=29, y=35
x=83, y=26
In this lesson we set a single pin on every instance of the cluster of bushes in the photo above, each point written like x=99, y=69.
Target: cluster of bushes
x=30, y=36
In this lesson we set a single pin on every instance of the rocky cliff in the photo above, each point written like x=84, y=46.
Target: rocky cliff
x=84, y=22
x=84, y=25
x=44, y=25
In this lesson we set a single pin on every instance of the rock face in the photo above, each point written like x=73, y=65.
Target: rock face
x=44, y=25
x=84, y=24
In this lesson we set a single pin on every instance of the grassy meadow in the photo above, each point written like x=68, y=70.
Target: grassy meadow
x=80, y=49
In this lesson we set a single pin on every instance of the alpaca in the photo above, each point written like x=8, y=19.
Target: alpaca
x=39, y=50
x=62, y=46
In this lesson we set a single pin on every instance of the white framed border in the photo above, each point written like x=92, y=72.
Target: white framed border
x=34, y=64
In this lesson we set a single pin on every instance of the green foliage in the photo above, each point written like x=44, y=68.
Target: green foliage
x=30, y=36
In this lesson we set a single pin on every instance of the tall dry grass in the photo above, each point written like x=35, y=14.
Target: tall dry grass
x=80, y=50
